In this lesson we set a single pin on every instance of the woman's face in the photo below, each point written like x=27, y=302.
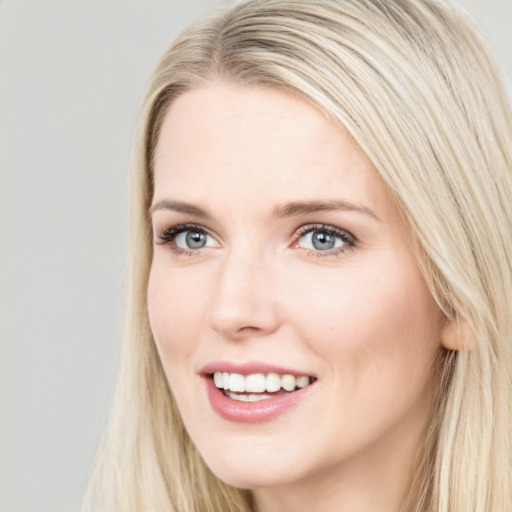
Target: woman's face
x=278, y=251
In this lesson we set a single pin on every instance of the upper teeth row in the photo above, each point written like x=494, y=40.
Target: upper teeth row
x=259, y=382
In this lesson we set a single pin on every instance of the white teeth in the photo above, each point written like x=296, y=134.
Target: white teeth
x=234, y=396
x=217, y=377
x=257, y=398
x=247, y=398
x=273, y=382
x=258, y=382
x=288, y=382
x=302, y=381
x=237, y=382
x=255, y=383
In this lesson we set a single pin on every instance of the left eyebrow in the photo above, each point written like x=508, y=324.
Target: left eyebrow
x=305, y=207
x=179, y=206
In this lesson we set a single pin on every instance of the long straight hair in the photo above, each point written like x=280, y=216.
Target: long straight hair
x=420, y=92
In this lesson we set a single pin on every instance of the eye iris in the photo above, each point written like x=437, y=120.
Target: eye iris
x=323, y=241
x=195, y=240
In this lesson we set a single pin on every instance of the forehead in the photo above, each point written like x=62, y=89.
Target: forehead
x=233, y=144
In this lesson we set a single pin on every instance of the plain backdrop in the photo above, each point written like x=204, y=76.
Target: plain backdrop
x=72, y=75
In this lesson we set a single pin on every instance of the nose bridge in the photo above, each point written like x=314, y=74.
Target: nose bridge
x=242, y=300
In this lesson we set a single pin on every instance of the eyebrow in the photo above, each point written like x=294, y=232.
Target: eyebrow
x=304, y=207
x=286, y=210
x=178, y=206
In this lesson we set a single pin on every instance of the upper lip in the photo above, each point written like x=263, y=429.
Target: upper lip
x=249, y=367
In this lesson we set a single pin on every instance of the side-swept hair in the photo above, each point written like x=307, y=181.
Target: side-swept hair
x=420, y=92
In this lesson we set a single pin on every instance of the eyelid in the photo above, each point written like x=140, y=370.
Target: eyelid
x=349, y=240
x=329, y=228
x=169, y=234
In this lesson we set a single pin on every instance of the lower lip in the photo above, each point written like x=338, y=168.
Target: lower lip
x=252, y=412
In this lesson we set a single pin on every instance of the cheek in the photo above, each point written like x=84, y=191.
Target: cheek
x=376, y=335
x=176, y=309
x=377, y=326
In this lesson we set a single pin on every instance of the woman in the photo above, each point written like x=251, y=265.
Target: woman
x=319, y=283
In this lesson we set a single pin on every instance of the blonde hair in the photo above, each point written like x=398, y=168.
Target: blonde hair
x=419, y=90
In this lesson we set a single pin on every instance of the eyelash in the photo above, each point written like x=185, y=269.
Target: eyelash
x=349, y=241
x=168, y=236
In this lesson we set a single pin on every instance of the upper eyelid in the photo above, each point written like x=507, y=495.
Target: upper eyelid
x=307, y=228
x=320, y=227
x=298, y=232
x=162, y=237
x=181, y=227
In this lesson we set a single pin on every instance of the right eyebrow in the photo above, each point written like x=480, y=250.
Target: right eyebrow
x=179, y=206
x=305, y=207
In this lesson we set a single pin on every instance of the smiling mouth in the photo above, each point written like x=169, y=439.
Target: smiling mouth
x=259, y=386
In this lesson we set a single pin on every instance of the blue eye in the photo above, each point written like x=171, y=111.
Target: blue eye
x=324, y=239
x=186, y=237
x=192, y=239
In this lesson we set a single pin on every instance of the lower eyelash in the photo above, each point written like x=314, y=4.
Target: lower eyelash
x=349, y=240
x=181, y=252
x=170, y=233
x=337, y=252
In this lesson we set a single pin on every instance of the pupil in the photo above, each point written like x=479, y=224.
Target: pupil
x=323, y=241
x=195, y=240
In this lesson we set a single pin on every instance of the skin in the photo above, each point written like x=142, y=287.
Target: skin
x=361, y=320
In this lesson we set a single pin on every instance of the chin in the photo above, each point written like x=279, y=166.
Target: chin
x=251, y=480
x=246, y=474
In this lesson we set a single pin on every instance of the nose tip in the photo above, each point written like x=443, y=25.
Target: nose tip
x=243, y=303
x=241, y=321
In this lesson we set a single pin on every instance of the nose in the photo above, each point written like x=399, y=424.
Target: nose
x=243, y=303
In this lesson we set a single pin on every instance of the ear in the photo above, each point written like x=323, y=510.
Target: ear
x=457, y=335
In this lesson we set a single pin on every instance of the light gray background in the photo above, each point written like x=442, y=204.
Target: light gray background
x=72, y=75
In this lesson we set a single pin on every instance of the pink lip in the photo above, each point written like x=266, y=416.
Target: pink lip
x=248, y=368
x=251, y=412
